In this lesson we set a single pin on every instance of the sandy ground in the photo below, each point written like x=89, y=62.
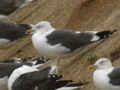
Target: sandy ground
x=78, y=15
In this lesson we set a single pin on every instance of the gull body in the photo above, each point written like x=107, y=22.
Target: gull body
x=29, y=78
x=52, y=42
x=106, y=77
x=10, y=32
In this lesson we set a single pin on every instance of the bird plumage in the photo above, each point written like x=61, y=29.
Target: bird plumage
x=106, y=76
x=52, y=42
x=10, y=31
x=33, y=79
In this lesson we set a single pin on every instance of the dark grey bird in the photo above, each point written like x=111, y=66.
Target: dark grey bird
x=9, y=6
x=32, y=79
x=10, y=32
x=53, y=83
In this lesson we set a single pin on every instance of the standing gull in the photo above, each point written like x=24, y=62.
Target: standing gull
x=106, y=76
x=51, y=42
x=10, y=32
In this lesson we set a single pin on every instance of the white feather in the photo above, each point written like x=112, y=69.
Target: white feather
x=101, y=80
x=77, y=32
x=95, y=38
x=40, y=43
x=100, y=75
x=4, y=41
x=92, y=32
x=68, y=88
x=17, y=73
x=25, y=3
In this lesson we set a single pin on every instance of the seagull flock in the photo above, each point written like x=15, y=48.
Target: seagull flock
x=24, y=73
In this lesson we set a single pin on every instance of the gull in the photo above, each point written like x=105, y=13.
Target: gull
x=52, y=42
x=10, y=32
x=28, y=78
x=106, y=76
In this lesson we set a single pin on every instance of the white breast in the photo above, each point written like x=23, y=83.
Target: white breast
x=101, y=80
x=17, y=73
x=40, y=43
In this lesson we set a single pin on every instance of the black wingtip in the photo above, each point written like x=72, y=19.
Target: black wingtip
x=77, y=84
x=106, y=34
x=115, y=30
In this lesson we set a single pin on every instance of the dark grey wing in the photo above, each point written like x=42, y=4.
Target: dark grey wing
x=51, y=83
x=7, y=61
x=57, y=84
x=54, y=85
x=12, y=31
x=7, y=68
x=69, y=39
x=115, y=76
x=7, y=6
x=28, y=81
x=38, y=75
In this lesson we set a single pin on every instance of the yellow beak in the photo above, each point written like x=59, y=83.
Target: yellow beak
x=28, y=32
x=92, y=67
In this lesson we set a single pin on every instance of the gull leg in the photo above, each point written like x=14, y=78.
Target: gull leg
x=57, y=63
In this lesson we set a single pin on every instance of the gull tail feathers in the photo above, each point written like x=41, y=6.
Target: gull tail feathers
x=102, y=35
x=105, y=34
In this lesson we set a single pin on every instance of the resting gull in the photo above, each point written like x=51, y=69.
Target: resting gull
x=9, y=6
x=10, y=32
x=28, y=78
x=7, y=67
x=106, y=76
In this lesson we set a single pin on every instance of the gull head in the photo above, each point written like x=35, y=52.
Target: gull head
x=42, y=26
x=102, y=63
